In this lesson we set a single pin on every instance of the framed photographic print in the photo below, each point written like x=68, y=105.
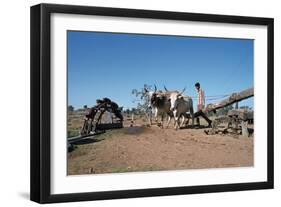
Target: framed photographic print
x=133, y=103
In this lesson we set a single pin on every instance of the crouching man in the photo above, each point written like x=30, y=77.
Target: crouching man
x=114, y=108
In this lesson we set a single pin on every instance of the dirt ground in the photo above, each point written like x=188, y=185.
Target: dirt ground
x=143, y=148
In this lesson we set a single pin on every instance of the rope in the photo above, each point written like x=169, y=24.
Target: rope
x=211, y=99
x=214, y=97
x=208, y=98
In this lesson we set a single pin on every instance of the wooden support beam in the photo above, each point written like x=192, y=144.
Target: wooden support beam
x=233, y=98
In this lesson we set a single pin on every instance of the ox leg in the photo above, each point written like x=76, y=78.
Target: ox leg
x=169, y=120
x=176, y=120
x=170, y=116
x=162, y=121
x=157, y=122
x=187, y=121
x=149, y=118
x=178, y=123
x=182, y=122
x=156, y=116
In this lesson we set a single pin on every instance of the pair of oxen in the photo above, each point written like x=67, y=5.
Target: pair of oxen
x=172, y=104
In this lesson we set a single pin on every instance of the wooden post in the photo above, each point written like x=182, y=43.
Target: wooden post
x=245, y=132
x=236, y=105
x=132, y=120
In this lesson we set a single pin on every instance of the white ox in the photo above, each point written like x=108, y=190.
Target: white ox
x=161, y=104
x=180, y=106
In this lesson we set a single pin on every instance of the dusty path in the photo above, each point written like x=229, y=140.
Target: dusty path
x=152, y=148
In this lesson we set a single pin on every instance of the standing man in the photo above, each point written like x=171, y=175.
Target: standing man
x=201, y=105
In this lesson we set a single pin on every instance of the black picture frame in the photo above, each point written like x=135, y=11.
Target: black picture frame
x=41, y=96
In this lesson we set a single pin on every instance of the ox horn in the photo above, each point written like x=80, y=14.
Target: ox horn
x=165, y=88
x=182, y=91
x=155, y=88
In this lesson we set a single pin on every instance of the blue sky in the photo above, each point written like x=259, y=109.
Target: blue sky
x=112, y=64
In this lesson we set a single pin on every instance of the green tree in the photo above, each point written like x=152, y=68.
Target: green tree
x=142, y=98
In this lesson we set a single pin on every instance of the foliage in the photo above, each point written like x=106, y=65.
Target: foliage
x=142, y=100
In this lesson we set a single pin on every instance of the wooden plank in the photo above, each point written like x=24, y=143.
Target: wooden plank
x=233, y=98
x=79, y=138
